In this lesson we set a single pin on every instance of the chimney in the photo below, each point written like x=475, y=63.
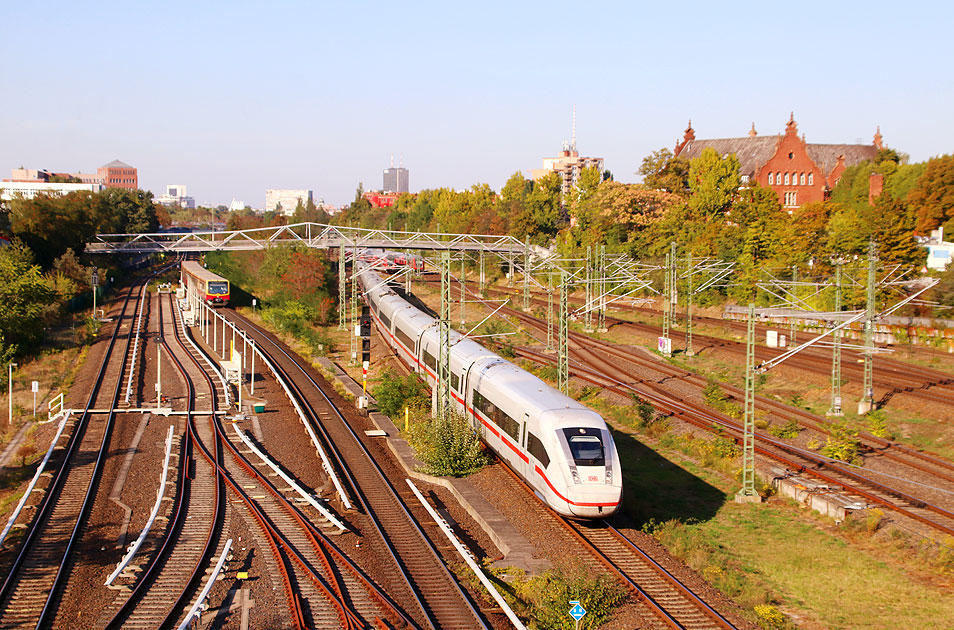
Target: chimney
x=875, y=187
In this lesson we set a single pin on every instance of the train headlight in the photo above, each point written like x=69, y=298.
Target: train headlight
x=576, y=477
x=609, y=476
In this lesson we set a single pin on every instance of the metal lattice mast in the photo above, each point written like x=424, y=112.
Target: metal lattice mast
x=667, y=301
x=673, y=292
x=689, y=351
x=342, y=290
x=549, y=347
x=748, y=444
x=443, y=362
x=601, y=325
x=587, y=310
x=835, y=409
x=483, y=277
x=791, y=323
x=867, y=400
x=463, y=296
x=353, y=321
x=563, y=365
x=526, y=275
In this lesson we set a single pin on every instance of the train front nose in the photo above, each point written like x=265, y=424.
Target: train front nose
x=594, y=500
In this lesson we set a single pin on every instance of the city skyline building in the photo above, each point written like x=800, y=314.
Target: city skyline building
x=176, y=194
x=396, y=179
x=568, y=164
x=285, y=200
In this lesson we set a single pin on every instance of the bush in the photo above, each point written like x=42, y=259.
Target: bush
x=715, y=397
x=644, y=412
x=878, y=424
x=842, y=443
x=448, y=447
x=787, y=431
x=545, y=597
x=395, y=392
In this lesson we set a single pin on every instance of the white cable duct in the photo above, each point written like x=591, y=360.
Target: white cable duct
x=208, y=587
x=468, y=558
x=225, y=385
x=36, y=477
x=326, y=464
x=291, y=482
x=132, y=364
x=134, y=548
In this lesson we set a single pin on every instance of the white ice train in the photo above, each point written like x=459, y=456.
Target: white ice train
x=562, y=449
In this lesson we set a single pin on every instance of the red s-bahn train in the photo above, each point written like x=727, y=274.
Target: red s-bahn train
x=213, y=288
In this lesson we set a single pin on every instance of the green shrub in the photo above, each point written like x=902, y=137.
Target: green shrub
x=546, y=597
x=842, y=443
x=448, y=447
x=787, y=431
x=644, y=412
x=878, y=424
x=395, y=392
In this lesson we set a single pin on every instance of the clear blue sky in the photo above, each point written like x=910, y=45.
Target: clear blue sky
x=231, y=98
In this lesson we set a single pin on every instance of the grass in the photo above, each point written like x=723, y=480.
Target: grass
x=777, y=554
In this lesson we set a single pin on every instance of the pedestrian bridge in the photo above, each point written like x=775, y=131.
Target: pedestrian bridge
x=316, y=235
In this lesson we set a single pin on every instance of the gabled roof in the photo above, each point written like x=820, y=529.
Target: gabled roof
x=826, y=155
x=117, y=164
x=752, y=152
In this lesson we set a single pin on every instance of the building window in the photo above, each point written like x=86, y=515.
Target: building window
x=801, y=179
x=794, y=179
x=790, y=199
x=810, y=178
x=771, y=178
x=744, y=179
x=786, y=178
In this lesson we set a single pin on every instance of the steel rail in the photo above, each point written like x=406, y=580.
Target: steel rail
x=180, y=513
x=384, y=483
x=49, y=608
x=320, y=543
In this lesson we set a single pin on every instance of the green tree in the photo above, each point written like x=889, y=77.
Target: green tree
x=660, y=170
x=849, y=230
x=24, y=297
x=713, y=182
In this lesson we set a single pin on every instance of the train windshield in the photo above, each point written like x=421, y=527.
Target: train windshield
x=218, y=288
x=585, y=446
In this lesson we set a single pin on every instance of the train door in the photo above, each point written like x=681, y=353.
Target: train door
x=527, y=468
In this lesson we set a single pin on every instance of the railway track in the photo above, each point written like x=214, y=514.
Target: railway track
x=662, y=595
x=891, y=376
x=29, y=594
x=194, y=531
x=324, y=588
x=596, y=370
x=418, y=576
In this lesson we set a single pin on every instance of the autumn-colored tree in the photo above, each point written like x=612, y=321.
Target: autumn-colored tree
x=932, y=198
x=894, y=232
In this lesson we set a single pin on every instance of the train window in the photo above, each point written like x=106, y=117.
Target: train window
x=585, y=446
x=510, y=426
x=218, y=288
x=429, y=360
x=536, y=448
x=455, y=382
x=405, y=339
x=385, y=321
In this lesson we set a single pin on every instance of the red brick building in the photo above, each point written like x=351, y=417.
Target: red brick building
x=798, y=171
x=381, y=199
x=118, y=174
